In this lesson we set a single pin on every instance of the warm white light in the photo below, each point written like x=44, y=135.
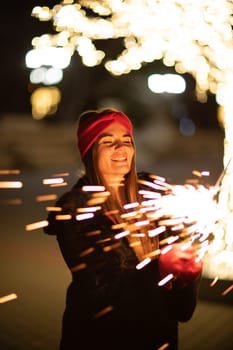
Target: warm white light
x=44, y=101
x=171, y=83
x=53, y=76
x=37, y=75
x=46, y=76
x=56, y=57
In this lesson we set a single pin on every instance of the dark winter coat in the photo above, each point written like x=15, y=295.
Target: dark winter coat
x=109, y=304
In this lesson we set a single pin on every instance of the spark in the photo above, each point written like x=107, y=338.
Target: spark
x=228, y=290
x=169, y=240
x=166, y=249
x=61, y=174
x=122, y=234
x=59, y=184
x=129, y=215
x=164, y=346
x=171, y=222
x=142, y=223
x=13, y=201
x=36, y=225
x=131, y=205
x=63, y=217
x=48, y=197
x=93, y=188
x=53, y=181
x=166, y=279
x=78, y=267
x=11, y=184
x=154, y=185
x=8, y=297
x=214, y=281
x=53, y=208
x=156, y=231
x=81, y=217
x=143, y=263
x=118, y=226
x=111, y=247
x=9, y=171
x=149, y=194
x=87, y=251
x=88, y=209
x=93, y=233
x=103, y=311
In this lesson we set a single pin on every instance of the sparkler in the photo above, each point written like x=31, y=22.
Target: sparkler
x=187, y=213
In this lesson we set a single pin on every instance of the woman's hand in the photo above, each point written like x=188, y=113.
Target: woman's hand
x=180, y=261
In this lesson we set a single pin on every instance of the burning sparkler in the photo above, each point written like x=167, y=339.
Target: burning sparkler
x=188, y=213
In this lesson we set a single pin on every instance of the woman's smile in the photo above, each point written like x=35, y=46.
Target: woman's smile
x=114, y=152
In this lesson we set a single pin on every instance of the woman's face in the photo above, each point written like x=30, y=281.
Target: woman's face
x=114, y=152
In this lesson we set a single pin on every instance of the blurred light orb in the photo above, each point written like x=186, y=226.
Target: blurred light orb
x=53, y=76
x=37, y=75
x=170, y=83
x=44, y=101
x=46, y=76
x=56, y=57
x=187, y=127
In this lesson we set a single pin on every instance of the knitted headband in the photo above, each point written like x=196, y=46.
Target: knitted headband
x=92, y=125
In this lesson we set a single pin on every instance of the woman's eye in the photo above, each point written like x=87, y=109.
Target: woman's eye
x=128, y=141
x=106, y=141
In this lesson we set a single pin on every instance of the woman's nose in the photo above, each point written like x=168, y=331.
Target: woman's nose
x=119, y=143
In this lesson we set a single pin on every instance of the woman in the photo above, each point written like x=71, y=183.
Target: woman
x=113, y=303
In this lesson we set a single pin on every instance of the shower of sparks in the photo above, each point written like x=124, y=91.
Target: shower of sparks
x=188, y=213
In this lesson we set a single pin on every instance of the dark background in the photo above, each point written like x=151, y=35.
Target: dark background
x=84, y=87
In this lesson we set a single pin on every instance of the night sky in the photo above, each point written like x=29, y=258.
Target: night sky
x=17, y=28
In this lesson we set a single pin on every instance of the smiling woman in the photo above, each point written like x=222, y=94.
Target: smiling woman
x=114, y=151
x=122, y=295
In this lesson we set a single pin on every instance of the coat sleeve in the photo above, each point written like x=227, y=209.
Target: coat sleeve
x=176, y=303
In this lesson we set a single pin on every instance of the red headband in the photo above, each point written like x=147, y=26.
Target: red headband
x=92, y=126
